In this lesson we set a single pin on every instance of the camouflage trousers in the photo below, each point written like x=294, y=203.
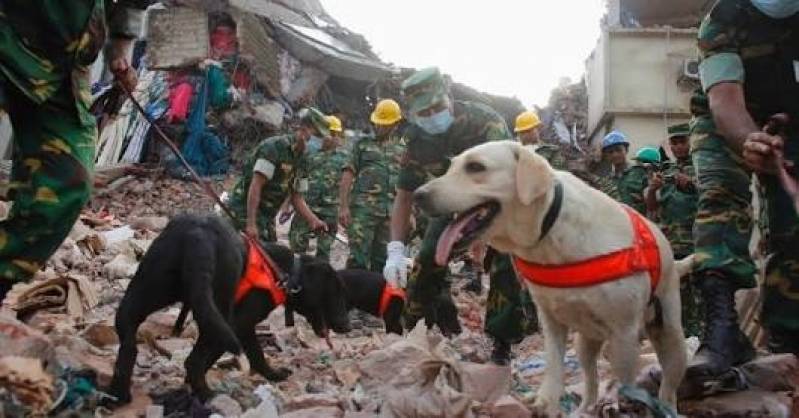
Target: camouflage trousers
x=300, y=234
x=724, y=222
x=50, y=178
x=368, y=236
x=510, y=313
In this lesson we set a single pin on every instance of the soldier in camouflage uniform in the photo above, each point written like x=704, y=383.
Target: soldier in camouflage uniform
x=630, y=181
x=324, y=174
x=749, y=51
x=374, y=167
x=527, y=129
x=274, y=171
x=672, y=197
x=46, y=48
x=442, y=128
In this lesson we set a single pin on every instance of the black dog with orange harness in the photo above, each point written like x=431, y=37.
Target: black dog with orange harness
x=229, y=286
x=369, y=292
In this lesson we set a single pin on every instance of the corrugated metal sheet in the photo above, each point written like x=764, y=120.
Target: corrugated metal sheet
x=317, y=48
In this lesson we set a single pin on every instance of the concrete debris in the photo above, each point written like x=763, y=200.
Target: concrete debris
x=19, y=339
x=369, y=373
x=225, y=405
x=75, y=293
x=509, y=407
x=27, y=382
x=150, y=223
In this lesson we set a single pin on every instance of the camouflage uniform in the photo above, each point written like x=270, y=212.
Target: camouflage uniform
x=631, y=184
x=739, y=44
x=375, y=163
x=324, y=174
x=553, y=154
x=510, y=314
x=676, y=213
x=46, y=48
x=277, y=159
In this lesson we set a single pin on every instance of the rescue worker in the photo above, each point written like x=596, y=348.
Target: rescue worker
x=634, y=179
x=46, y=49
x=374, y=168
x=527, y=129
x=441, y=128
x=630, y=180
x=324, y=173
x=275, y=170
x=749, y=51
x=671, y=197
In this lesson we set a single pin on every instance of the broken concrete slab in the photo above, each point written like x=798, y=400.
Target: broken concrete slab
x=18, y=339
x=316, y=412
x=312, y=400
x=773, y=373
x=509, y=407
x=745, y=404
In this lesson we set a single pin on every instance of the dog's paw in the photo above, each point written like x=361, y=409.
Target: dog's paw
x=277, y=375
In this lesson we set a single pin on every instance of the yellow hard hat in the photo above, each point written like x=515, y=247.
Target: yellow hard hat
x=335, y=123
x=387, y=112
x=526, y=120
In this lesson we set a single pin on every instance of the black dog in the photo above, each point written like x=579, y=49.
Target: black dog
x=199, y=260
x=365, y=292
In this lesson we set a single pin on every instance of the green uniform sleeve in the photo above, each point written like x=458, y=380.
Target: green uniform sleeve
x=718, y=49
x=266, y=160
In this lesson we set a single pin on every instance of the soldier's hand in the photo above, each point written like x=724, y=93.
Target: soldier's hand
x=344, y=217
x=760, y=152
x=682, y=180
x=656, y=181
x=251, y=231
x=317, y=225
x=124, y=74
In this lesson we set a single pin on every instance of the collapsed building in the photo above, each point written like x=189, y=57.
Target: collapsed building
x=253, y=63
x=644, y=69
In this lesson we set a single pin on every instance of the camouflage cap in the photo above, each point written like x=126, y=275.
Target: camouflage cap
x=316, y=118
x=679, y=130
x=423, y=89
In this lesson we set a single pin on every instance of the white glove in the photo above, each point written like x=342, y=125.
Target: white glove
x=396, y=269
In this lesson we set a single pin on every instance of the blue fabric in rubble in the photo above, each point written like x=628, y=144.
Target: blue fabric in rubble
x=203, y=149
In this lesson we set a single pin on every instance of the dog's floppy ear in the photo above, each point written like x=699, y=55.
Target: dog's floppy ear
x=533, y=175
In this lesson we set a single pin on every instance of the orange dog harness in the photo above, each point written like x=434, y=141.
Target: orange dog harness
x=258, y=275
x=389, y=293
x=642, y=256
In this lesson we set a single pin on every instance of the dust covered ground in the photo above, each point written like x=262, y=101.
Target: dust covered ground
x=366, y=374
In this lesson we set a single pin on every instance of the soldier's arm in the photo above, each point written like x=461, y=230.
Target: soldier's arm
x=302, y=208
x=721, y=72
x=401, y=214
x=253, y=201
x=124, y=20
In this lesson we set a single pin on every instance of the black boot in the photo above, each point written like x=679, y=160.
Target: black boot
x=501, y=353
x=724, y=344
x=782, y=340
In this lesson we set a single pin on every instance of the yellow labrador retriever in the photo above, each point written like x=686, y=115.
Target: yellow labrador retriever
x=583, y=257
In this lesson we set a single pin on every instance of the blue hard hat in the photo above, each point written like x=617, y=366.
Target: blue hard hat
x=614, y=138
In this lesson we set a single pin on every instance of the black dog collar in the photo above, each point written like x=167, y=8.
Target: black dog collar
x=553, y=211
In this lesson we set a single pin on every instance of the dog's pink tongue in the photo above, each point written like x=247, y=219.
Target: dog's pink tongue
x=450, y=237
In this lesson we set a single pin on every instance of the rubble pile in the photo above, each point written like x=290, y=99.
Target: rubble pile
x=59, y=355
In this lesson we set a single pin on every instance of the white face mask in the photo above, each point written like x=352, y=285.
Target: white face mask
x=777, y=9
